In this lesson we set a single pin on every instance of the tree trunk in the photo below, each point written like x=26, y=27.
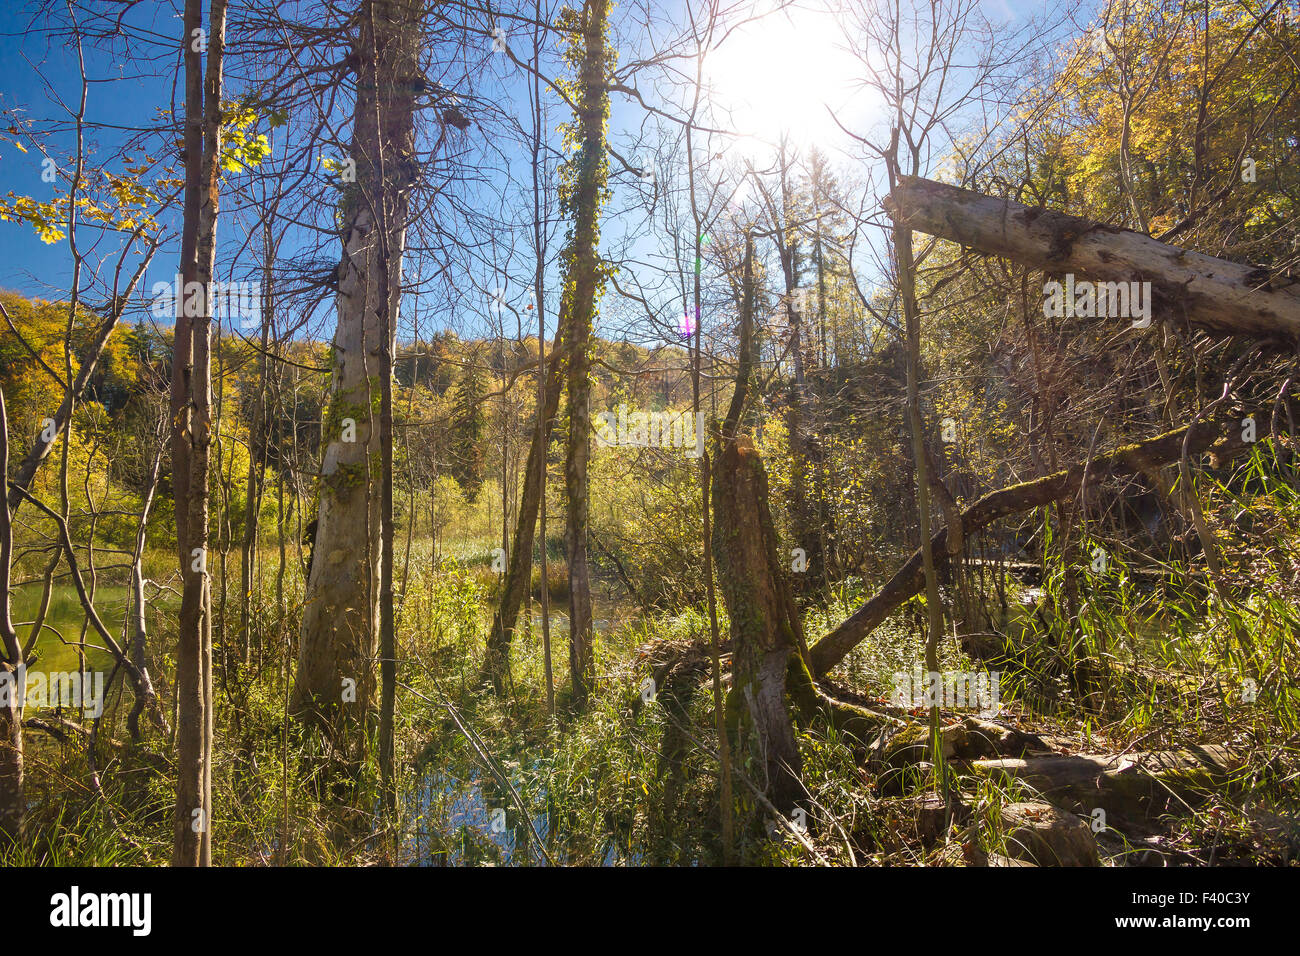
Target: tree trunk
x=765, y=628
x=543, y=429
x=256, y=460
x=192, y=382
x=920, y=458
x=583, y=282
x=13, y=803
x=390, y=291
x=335, y=685
x=766, y=634
x=139, y=632
x=518, y=571
x=1213, y=293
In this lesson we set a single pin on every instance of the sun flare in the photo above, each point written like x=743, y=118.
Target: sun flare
x=781, y=76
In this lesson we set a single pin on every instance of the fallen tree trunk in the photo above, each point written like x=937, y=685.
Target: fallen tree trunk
x=1221, y=437
x=1132, y=789
x=1212, y=293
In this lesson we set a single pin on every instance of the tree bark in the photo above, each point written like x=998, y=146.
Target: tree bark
x=139, y=632
x=765, y=628
x=192, y=382
x=1213, y=293
x=582, y=286
x=13, y=802
x=766, y=633
x=335, y=685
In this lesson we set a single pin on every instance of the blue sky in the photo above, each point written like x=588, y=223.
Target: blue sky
x=39, y=76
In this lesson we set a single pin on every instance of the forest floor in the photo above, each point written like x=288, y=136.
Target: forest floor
x=1153, y=760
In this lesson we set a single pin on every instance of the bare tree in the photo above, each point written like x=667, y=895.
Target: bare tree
x=13, y=803
x=192, y=427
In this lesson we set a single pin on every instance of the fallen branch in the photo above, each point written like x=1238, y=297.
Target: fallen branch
x=1221, y=437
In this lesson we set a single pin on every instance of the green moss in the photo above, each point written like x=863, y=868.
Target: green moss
x=801, y=692
x=338, y=410
x=348, y=476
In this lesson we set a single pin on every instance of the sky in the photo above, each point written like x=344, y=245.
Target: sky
x=774, y=77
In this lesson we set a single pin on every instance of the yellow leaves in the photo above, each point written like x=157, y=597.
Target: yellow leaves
x=240, y=148
x=44, y=217
x=20, y=147
x=50, y=219
x=244, y=153
x=92, y=213
x=128, y=192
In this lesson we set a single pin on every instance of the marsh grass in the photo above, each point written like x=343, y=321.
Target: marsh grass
x=630, y=783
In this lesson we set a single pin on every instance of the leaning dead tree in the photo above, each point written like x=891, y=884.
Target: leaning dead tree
x=1212, y=293
x=1222, y=438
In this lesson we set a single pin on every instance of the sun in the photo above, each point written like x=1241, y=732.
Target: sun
x=776, y=77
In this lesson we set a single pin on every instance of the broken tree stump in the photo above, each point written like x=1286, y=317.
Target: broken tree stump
x=1041, y=834
x=765, y=629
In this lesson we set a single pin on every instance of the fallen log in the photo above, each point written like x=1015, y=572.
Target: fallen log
x=903, y=749
x=1223, y=438
x=1043, y=835
x=1212, y=293
x=1131, y=789
x=970, y=738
